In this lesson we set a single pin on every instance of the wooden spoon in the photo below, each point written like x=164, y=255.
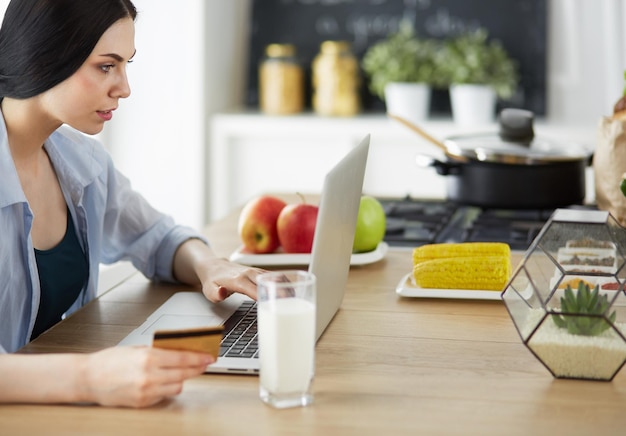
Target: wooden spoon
x=426, y=136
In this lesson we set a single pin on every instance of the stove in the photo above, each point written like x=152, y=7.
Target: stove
x=414, y=222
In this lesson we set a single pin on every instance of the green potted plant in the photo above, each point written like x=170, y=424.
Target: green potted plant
x=478, y=69
x=401, y=70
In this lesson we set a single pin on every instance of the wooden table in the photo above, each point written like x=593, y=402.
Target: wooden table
x=386, y=365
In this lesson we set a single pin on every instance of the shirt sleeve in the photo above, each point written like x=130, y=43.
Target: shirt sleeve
x=134, y=230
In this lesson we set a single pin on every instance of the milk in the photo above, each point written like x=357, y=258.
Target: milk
x=286, y=344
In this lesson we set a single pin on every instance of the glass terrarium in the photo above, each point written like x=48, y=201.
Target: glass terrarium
x=567, y=299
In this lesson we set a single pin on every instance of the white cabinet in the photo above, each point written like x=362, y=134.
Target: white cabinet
x=251, y=153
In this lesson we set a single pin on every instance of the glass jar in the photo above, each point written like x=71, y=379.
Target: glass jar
x=336, y=80
x=281, y=81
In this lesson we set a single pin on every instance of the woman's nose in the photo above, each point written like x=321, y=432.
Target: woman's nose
x=122, y=87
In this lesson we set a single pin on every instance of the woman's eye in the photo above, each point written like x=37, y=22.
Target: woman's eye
x=106, y=68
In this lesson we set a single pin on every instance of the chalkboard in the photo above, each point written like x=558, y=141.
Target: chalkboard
x=519, y=24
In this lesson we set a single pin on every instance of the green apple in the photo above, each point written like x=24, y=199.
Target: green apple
x=370, y=225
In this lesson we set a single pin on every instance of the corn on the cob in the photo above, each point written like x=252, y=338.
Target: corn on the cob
x=465, y=265
x=467, y=272
x=461, y=249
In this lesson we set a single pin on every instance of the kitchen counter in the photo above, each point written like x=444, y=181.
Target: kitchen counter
x=385, y=365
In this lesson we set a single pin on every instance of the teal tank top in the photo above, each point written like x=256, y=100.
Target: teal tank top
x=63, y=272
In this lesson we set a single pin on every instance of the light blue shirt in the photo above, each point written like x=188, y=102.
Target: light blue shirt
x=112, y=221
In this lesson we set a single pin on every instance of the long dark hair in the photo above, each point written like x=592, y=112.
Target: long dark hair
x=43, y=42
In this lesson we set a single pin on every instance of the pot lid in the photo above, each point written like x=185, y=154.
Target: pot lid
x=515, y=143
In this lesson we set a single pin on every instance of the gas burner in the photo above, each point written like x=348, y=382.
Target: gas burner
x=518, y=228
x=411, y=223
x=414, y=222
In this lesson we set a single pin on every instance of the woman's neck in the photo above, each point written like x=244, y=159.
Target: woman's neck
x=28, y=127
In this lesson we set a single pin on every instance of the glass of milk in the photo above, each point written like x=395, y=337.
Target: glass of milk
x=286, y=332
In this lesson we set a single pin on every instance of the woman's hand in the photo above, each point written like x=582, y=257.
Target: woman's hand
x=195, y=263
x=226, y=278
x=138, y=376
x=117, y=376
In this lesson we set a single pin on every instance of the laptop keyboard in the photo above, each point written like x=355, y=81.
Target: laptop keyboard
x=240, y=334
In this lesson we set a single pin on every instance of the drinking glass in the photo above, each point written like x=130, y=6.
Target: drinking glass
x=286, y=333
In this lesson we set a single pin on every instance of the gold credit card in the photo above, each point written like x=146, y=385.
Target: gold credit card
x=203, y=339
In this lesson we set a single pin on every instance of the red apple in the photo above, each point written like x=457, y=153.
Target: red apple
x=296, y=227
x=257, y=224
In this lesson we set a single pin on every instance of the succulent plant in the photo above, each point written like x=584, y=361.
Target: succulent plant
x=582, y=312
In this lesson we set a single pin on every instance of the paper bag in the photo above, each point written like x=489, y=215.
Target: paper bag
x=609, y=166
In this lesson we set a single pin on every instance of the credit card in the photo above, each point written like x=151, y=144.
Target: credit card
x=203, y=339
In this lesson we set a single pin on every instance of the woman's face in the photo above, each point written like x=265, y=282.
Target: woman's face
x=87, y=99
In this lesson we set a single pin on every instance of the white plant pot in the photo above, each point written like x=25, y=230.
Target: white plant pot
x=473, y=105
x=410, y=101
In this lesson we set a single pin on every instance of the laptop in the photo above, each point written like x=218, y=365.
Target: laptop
x=330, y=262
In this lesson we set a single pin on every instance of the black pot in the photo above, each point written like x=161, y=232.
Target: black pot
x=512, y=169
x=513, y=186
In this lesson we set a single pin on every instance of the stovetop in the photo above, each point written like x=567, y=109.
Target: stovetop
x=414, y=222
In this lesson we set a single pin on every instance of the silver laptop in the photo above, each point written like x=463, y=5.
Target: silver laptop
x=330, y=262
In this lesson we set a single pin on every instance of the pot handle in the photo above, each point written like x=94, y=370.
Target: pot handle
x=442, y=168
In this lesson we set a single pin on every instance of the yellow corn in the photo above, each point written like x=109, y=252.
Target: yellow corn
x=484, y=272
x=461, y=249
x=465, y=265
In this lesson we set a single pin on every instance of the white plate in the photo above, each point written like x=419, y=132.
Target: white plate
x=282, y=259
x=407, y=288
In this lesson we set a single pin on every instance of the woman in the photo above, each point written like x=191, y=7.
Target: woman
x=64, y=208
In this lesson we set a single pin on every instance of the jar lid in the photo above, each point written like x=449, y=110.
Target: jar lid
x=332, y=47
x=280, y=50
